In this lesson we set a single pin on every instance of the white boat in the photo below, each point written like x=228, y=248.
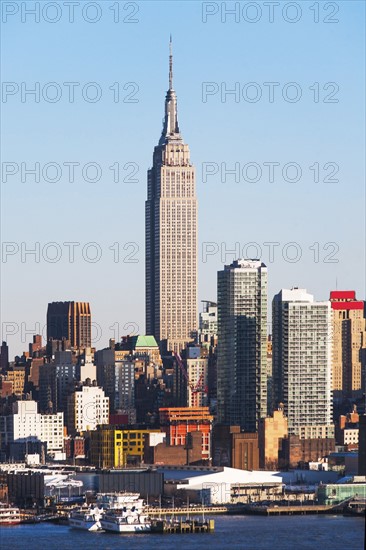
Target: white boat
x=87, y=519
x=127, y=516
x=9, y=515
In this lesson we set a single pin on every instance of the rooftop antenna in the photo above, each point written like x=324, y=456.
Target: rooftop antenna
x=170, y=63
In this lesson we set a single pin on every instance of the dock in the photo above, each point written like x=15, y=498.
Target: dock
x=198, y=511
x=182, y=526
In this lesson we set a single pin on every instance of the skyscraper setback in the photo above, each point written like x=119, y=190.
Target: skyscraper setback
x=171, y=235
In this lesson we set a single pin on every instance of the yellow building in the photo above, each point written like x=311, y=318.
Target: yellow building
x=17, y=377
x=271, y=431
x=111, y=447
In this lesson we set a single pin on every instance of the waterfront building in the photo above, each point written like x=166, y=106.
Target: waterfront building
x=234, y=448
x=242, y=344
x=171, y=235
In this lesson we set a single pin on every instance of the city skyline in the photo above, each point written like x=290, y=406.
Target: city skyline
x=206, y=129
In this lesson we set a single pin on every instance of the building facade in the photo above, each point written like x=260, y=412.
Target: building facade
x=271, y=432
x=171, y=235
x=26, y=425
x=302, y=343
x=178, y=422
x=349, y=345
x=242, y=344
x=70, y=321
x=87, y=408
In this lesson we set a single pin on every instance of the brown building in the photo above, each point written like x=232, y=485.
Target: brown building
x=347, y=430
x=70, y=321
x=349, y=345
x=176, y=455
x=271, y=432
x=234, y=448
x=295, y=452
x=16, y=376
x=36, y=345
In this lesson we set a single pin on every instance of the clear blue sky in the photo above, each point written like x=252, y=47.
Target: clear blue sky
x=105, y=132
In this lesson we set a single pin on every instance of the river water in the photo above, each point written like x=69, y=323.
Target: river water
x=244, y=532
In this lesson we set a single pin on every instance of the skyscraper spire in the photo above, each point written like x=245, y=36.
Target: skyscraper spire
x=170, y=126
x=170, y=64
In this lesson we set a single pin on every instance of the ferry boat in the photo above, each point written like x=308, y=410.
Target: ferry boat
x=127, y=516
x=9, y=515
x=87, y=519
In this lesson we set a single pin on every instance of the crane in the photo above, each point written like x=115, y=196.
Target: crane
x=194, y=388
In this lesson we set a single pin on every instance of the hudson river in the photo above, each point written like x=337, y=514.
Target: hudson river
x=247, y=532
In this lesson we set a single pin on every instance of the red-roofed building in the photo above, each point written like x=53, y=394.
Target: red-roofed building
x=349, y=345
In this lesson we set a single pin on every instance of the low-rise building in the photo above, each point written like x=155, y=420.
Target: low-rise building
x=111, y=447
x=177, y=422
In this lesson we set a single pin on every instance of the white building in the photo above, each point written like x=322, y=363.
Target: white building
x=231, y=484
x=52, y=431
x=242, y=344
x=26, y=424
x=87, y=407
x=302, y=340
x=197, y=389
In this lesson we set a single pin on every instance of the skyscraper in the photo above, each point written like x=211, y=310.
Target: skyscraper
x=171, y=235
x=242, y=344
x=349, y=345
x=302, y=340
x=71, y=321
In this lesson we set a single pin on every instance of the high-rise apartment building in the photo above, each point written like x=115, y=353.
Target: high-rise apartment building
x=70, y=321
x=242, y=344
x=171, y=235
x=302, y=343
x=349, y=345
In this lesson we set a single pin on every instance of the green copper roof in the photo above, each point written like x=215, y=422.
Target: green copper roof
x=143, y=342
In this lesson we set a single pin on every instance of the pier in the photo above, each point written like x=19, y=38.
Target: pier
x=182, y=526
x=199, y=511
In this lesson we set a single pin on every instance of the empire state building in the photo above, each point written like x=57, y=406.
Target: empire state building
x=171, y=235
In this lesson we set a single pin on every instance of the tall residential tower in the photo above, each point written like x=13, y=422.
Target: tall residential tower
x=171, y=235
x=302, y=344
x=242, y=344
